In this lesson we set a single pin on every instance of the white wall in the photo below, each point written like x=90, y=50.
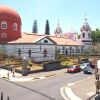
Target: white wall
x=37, y=51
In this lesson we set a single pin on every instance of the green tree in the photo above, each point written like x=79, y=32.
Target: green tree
x=95, y=35
x=47, y=28
x=35, y=30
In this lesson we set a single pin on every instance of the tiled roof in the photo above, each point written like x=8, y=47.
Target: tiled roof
x=64, y=41
x=33, y=38
x=28, y=38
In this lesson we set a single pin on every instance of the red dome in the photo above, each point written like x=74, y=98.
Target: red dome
x=12, y=20
x=9, y=13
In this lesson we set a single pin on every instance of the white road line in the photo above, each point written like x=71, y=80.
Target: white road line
x=90, y=93
x=70, y=84
x=71, y=95
x=63, y=94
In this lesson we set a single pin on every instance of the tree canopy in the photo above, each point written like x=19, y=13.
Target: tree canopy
x=35, y=30
x=95, y=35
x=47, y=28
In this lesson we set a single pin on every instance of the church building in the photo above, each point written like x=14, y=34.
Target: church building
x=15, y=43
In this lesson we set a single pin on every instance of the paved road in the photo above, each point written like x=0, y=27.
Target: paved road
x=44, y=89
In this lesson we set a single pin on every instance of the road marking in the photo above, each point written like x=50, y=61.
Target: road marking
x=90, y=93
x=70, y=84
x=63, y=94
x=70, y=94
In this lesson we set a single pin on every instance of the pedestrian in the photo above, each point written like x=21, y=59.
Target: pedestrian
x=11, y=68
x=30, y=62
x=13, y=71
x=8, y=74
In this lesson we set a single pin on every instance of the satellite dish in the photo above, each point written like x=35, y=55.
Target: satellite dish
x=98, y=64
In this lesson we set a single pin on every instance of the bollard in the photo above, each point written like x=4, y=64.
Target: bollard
x=1, y=95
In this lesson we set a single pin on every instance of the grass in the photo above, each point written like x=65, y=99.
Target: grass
x=18, y=64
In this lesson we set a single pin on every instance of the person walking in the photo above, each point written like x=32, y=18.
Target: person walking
x=13, y=71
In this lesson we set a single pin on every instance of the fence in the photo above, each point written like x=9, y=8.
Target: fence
x=2, y=96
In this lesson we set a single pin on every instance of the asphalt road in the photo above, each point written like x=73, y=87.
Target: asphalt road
x=44, y=89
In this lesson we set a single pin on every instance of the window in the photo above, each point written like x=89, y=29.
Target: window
x=83, y=35
x=63, y=50
x=76, y=49
x=66, y=51
x=70, y=50
x=3, y=25
x=29, y=53
x=45, y=41
x=15, y=26
x=19, y=52
x=45, y=53
x=89, y=35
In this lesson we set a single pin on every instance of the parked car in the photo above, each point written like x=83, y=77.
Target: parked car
x=88, y=69
x=73, y=68
x=83, y=65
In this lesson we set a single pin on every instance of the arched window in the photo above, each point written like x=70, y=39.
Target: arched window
x=45, y=41
x=3, y=25
x=15, y=26
x=83, y=35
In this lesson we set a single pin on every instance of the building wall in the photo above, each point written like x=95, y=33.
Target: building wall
x=37, y=51
x=67, y=50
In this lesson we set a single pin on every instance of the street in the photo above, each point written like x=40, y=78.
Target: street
x=44, y=89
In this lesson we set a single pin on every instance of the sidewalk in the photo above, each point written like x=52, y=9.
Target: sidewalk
x=82, y=90
x=30, y=77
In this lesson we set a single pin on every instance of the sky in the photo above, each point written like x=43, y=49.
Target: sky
x=70, y=13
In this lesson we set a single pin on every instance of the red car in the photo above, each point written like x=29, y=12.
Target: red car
x=73, y=69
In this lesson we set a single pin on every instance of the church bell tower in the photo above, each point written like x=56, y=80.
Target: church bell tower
x=86, y=35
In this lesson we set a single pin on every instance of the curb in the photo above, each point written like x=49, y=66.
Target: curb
x=31, y=78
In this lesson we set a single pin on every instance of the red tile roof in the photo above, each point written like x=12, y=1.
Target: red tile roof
x=33, y=38
x=64, y=41
x=29, y=38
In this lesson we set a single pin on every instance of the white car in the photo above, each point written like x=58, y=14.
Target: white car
x=88, y=69
x=82, y=66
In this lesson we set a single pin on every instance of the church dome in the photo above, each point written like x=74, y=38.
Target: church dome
x=10, y=24
x=8, y=13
